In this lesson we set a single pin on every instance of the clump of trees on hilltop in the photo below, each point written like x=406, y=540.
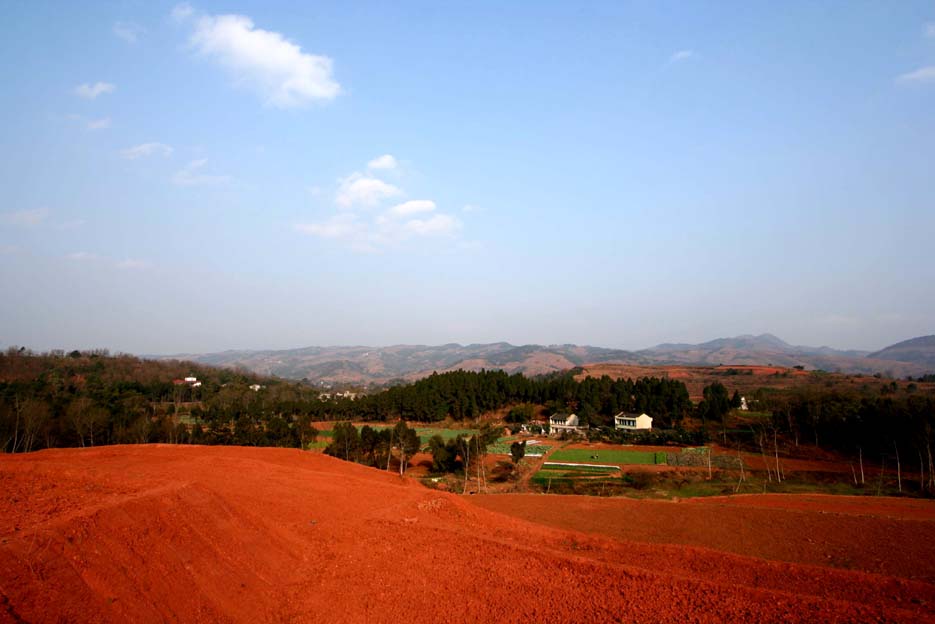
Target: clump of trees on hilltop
x=378, y=447
x=374, y=446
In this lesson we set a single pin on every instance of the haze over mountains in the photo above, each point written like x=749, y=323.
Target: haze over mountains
x=379, y=365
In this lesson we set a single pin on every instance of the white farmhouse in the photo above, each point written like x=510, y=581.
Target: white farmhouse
x=633, y=422
x=560, y=423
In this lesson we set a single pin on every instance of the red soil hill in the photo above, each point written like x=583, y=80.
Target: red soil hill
x=208, y=534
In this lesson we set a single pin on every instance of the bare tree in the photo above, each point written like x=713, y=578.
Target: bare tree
x=34, y=415
x=464, y=447
x=860, y=455
x=776, y=450
x=899, y=474
x=921, y=473
x=760, y=435
x=743, y=476
x=78, y=413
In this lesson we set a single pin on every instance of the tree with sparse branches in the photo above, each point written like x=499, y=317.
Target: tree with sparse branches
x=517, y=451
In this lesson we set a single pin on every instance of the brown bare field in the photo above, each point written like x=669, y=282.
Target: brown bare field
x=886, y=536
x=747, y=380
x=231, y=534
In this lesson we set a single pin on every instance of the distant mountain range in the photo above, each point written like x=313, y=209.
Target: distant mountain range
x=380, y=365
x=919, y=350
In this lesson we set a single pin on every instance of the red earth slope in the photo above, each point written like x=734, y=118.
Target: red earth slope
x=212, y=534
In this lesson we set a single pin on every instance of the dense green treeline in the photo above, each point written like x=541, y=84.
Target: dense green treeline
x=465, y=395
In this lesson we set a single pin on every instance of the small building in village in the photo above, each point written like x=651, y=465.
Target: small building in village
x=564, y=423
x=633, y=422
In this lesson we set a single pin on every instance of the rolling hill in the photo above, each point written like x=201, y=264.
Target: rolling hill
x=363, y=365
x=919, y=350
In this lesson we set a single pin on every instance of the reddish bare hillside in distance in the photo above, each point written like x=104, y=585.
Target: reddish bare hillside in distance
x=744, y=378
x=232, y=534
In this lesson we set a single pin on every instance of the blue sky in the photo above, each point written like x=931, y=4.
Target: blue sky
x=205, y=176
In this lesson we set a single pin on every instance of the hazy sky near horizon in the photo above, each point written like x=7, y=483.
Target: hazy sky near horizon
x=205, y=176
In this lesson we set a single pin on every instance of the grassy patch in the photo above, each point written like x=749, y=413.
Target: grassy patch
x=564, y=477
x=608, y=456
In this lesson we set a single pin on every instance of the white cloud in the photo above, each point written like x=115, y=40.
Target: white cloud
x=146, y=149
x=681, y=55
x=386, y=161
x=358, y=189
x=192, y=175
x=90, y=124
x=414, y=206
x=79, y=256
x=128, y=31
x=71, y=224
x=471, y=208
x=437, y=225
x=380, y=232
x=131, y=263
x=182, y=12
x=470, y=245
x=930, y=29
x=31, y=217
x=262, y=60
x=98, y=124
x=357, y=225
x=338, y=226
x=38, y=216
x=921, y=75
x=91, y=91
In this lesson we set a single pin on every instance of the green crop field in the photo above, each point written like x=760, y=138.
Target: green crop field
x=547, y=477
x=424, y=433
x=591, y=456
x=551, y=466
x=427, y=432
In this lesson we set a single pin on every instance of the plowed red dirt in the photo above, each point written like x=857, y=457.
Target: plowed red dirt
x=208, y=534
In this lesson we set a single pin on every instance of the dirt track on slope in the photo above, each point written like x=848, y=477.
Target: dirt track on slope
x=207, y=534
